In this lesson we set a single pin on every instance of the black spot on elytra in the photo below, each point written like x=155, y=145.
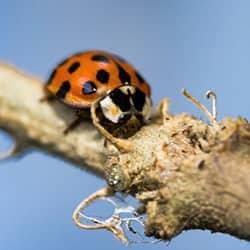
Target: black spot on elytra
x=88, y=88
x=102, y=76
x=120, y=99
x=73, y=67
x=63, y=90
x=100, y=58
x=51, y=77
x=123, y=75
x=138, y=99
x=139, y=77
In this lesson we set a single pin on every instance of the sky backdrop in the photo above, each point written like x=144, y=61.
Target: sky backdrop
x=198, y=45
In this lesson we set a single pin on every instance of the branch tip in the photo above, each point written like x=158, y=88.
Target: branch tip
x=15, y=149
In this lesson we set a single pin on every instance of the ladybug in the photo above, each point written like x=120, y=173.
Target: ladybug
x=120, y=94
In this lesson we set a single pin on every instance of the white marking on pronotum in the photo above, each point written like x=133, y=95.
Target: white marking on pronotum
x=110, y=110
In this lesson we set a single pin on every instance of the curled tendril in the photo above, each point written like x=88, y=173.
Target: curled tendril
x=116, y=223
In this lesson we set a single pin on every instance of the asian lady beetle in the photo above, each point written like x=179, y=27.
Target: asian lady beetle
x=120, y=93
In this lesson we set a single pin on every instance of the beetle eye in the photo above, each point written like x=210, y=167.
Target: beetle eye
x=138, y=99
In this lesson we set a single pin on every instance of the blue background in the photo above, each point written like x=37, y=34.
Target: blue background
x=199, y=45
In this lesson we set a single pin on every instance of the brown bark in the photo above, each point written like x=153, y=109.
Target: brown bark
x=187, y=174
x=41, y=124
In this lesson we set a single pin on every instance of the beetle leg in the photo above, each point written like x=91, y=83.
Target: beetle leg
x=75, y=123
x=48, y=97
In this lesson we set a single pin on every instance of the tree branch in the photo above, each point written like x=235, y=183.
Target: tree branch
x=40, y=124
x=186, y=174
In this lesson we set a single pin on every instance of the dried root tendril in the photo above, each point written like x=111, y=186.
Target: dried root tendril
x=211, y=116
x=116, y=224
x=211, y=94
